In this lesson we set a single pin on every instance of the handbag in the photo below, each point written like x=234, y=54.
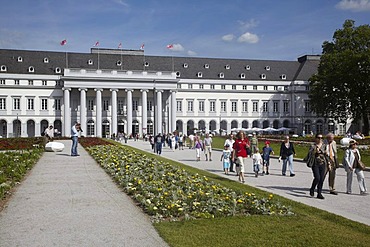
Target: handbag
x=309, y=159
x=361, y=165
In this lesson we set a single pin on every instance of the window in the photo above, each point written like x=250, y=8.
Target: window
x=254, y=87
x=265, y=88
x=286, y=106
x=267, y=68
x=46, y=60
x=248, y=67
x=90, y=105
x=276, y=88
x=307, y=87
x=90, y=128
x=244, y=87
x=283, y=76
x=307, y=106
x=58, y=83
x=179, y=106
x=146, y=64
x=265, y=106
x=223, y=106
x=227, y=66
x=105, y=105
x=263, y=76
x=44, y=83
x=178, y=74
x=30, y=82
x=3, y=68
x=58, y=70
x=255, y=106
x=221, y=75
x=185, y=65
x=20, y=59
x=286, y=88
x=223, y=86
x=149, y=105
x=16, y=103
x=57, y=104
x=201, y=106
x=44, y=104
x=190, y=105
x=190, y=86
x=199, y=74
x=118, y=63
x=121, y=104
x=16, y=82
x=206, y=66
x=31, y=104
x=245, y=106
x=90, y=62
x=212, y=106
x=2, y=103
x=242, y=75
x=201, y=86
x=179, y=85
x=31, y=69
x=276, y=106
x=2, y=82
x=234, y=106
x=212, y=86
x=135, y=105
x=233, y=87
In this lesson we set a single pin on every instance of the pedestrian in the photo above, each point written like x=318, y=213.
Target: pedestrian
x=225, y=158
x=198, y=146
x=158, y=143
x=230, y=141
x=257, y=161
x=49, y=134
x=207, y=142
x=266, y=152
x=173, y=142
x=152, y=143
x=286, y=154
x=181, y=142
x=240, y=153
x=319, y=167
x=331, y=151
x=76, y=128
x=254, y=142
x=352, y=162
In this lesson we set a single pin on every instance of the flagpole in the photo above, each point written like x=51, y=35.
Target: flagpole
x=121, y=60
x=98, y=57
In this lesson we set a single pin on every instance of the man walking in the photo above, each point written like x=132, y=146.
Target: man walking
x=207, y=142
x=331, y=151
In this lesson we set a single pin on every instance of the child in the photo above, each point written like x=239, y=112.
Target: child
x=257, y=161
x=225, y=157
x=266, y=151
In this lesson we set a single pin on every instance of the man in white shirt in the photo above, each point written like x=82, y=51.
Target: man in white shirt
x=207, y=142
x=49, y=133
x=230, y=141
x=74, y=135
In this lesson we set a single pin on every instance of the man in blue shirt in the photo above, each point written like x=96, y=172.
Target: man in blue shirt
x=74, y=135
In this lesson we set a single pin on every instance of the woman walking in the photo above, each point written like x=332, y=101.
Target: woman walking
x=198, y=146
x=286, y=154
x=352, y=162
x=240, y=153
x=319, y=167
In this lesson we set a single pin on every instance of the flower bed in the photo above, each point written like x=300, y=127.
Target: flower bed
x=21, y=143
x=167, y=192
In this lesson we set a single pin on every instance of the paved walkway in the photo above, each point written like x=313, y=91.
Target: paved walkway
x=71, y=201
x=354, y=206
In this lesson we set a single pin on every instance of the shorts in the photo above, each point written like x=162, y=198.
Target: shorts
x=207, y=150
x=242, y=161
x=226, y=164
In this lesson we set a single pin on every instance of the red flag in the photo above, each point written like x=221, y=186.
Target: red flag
x=170, y=46
x=97, y=43
x=63, y=42
x=142, y=47
x=120, y=45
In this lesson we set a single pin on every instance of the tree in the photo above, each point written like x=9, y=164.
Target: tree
x=341, y=87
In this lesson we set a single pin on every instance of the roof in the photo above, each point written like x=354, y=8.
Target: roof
x=46, y=62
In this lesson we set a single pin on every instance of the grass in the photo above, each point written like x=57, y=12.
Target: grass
x=309, y=227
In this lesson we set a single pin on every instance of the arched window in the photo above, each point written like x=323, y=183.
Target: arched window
x=90, y=128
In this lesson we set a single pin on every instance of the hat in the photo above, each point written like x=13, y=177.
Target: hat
x=267, y=142
x=353, y=142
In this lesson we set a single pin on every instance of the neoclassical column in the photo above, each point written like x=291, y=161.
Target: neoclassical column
x=67, y=112
x=98, y=112
x=114, y=111
x=173, y=111
x=129, y=111
x=144, y=98
x=83, y=111
x=158, y=119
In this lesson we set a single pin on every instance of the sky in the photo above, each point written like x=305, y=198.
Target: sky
x=245, y=29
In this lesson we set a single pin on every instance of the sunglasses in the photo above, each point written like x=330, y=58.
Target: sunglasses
x=319, y=137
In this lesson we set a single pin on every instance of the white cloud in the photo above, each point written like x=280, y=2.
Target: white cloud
x=121, y=2
x=248, y=38
x=248, y=25
x=177, y=47
x=192, y=53
x=228, y=37
x=354, y=5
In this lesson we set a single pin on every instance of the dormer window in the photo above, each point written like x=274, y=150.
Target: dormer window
x=227, y=66
x=46, y=60
x=248, y=67
x=199, y=74
x=263, y=76
x=283, y=76
x=90, y=62
x=3, y=68
x=242, y=75
x=206, y=66
x=221, y=75
x=119, y=63
x=20, y=59
x=178, y=73
x=185, y=65
x=267, y=68
x=31, y=69
x=58, y=70
x=146, y=64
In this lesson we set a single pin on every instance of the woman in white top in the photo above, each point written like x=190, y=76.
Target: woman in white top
x=351, y=162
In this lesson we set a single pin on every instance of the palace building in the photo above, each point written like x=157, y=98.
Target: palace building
x=110, y=91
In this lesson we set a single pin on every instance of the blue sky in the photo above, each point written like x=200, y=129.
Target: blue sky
x=247, y=29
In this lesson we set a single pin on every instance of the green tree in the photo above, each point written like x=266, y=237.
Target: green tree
x=341, y=87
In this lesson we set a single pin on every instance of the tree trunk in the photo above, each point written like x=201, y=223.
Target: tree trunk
x=365, y=129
